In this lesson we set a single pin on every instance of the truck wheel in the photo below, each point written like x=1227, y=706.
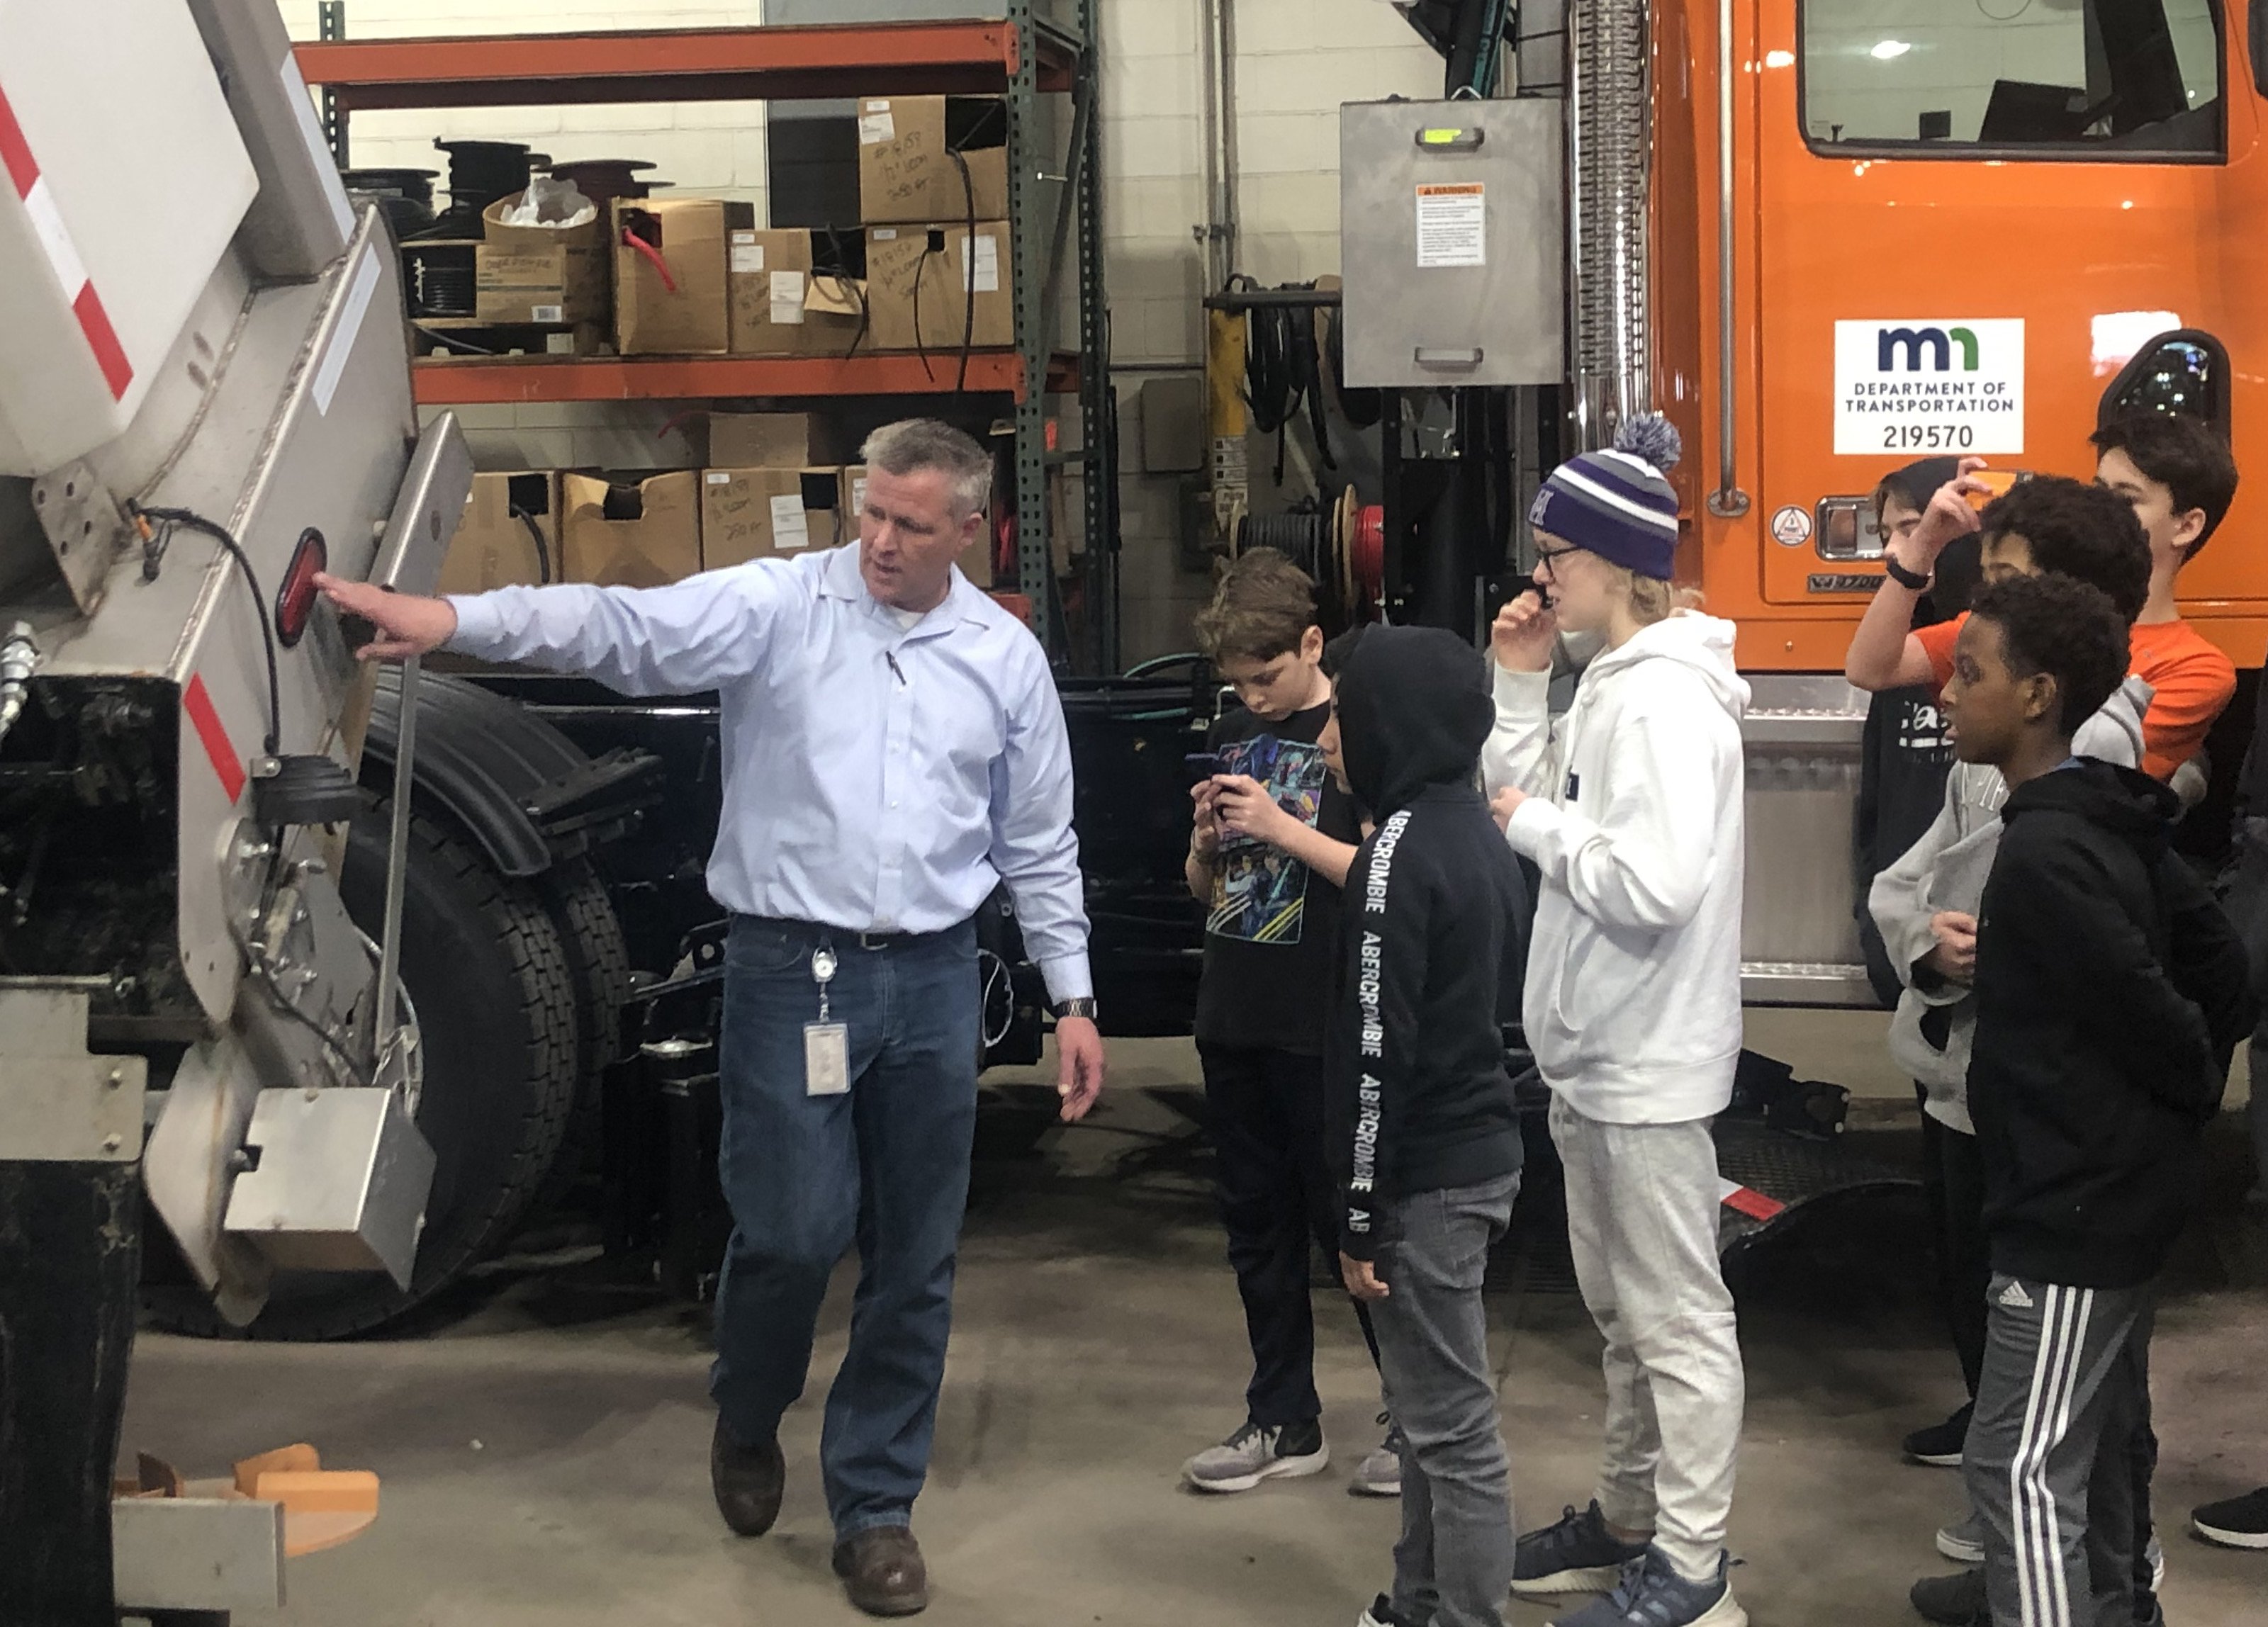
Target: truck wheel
x=496, y=998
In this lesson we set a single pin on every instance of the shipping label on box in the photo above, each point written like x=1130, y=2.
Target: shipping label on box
x=907, y=170
x=654, y=539
x=768, y=514
x=672, y=281
x=770, y=272
x=509, y=537
x=920, y=282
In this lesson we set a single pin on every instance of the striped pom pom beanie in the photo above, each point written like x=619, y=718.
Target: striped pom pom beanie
x=1616, y=503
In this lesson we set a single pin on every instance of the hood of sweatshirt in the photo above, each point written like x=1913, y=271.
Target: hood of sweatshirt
x=1703, y=645
x=2124, y=802
x=1414, y=711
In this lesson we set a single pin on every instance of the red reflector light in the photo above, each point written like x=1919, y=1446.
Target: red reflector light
x=295, y=600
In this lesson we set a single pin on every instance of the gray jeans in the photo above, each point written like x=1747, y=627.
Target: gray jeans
x=1453, y=1566
x=2050, y=1460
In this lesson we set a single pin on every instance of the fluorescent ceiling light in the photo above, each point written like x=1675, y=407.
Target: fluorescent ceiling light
x=1888, y=50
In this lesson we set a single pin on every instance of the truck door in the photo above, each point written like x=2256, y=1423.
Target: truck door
x=1972, y=214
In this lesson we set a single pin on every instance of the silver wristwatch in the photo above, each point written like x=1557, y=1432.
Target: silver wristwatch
x=1082, y=1006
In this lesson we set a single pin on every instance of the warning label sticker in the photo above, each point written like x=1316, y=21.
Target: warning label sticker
x=1452, y=225
x=1929, y=385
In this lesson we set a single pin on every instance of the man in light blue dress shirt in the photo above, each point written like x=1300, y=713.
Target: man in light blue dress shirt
x=893, y=748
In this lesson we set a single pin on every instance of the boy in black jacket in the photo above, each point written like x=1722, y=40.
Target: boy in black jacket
x=2111, y=991
x=1424, y=1135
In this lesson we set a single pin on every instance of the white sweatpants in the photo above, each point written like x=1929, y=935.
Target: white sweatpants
x=1642, y=1204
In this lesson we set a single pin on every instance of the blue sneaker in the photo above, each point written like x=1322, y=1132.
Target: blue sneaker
x=1577, y=1554
x=1652, y=1594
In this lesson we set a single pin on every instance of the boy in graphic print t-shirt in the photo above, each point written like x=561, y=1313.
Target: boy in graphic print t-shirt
x=1271, y=836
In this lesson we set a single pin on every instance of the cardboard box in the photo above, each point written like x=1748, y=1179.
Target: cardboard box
x=834, y=315
x=918, y=281
x=907, y=174
x=768, y=514
x=690, y=236
x=772, y=440
x=509, y=536
x=770, y=277
x=654, y=539
x=549, y=276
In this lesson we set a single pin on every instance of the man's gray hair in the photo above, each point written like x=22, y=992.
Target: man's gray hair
x=915, y=446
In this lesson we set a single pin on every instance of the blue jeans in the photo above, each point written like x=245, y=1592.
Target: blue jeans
x=884, y=1167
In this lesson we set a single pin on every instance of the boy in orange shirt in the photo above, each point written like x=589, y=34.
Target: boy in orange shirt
x=2178, y=474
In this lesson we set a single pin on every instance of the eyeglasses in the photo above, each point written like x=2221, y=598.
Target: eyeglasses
x=1549, y=557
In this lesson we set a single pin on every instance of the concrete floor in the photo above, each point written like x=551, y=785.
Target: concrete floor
x=543, y=1452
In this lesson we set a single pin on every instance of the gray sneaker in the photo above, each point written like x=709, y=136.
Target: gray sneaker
x=1652, y=1594
x=1963, y=1540
x=1255, y=1453
x=1380, y=1474
x=1578, y=1554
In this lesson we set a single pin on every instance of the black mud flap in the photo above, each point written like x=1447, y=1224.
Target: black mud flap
x=1772, y=1177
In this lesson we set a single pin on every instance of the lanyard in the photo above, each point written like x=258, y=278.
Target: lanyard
x=822, y=973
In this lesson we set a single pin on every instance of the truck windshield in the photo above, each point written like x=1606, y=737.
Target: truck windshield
x=2016, y=78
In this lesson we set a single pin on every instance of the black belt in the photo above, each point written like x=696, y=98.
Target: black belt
x=871, y=941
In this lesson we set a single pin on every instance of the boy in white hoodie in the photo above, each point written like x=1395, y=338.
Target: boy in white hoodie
x=1631, y=808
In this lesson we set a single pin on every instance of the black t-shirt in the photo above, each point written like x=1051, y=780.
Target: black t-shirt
x=1271, y=930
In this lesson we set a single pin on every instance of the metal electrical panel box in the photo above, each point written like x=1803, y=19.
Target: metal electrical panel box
x=1451, y=242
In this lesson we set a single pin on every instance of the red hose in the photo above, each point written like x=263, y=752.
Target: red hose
x=630, y=240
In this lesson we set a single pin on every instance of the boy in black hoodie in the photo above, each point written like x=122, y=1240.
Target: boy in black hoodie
x=1424, y=1135
x=2111, y=991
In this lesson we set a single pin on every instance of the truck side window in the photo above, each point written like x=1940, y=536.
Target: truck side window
x=2017, y=78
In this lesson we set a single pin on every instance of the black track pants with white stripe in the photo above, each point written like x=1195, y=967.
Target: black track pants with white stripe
x=2049, y=1457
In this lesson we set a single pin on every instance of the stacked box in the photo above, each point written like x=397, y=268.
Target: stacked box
x=688, y=311
x=509, y=536
x=629, y=533
x=920, y=280
x=768, y=514
x=907, y=172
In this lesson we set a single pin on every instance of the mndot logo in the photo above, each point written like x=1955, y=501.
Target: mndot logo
x=1908, y=386
x=1892, y=343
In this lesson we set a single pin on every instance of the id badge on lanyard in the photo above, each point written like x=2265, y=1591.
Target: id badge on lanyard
x=826, y=1045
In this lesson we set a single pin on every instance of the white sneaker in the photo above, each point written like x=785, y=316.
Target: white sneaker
x=1253, y=1454
x=1963, y=1540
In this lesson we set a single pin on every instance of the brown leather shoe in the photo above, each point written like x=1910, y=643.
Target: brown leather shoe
x=882, y=1572
x=747, y=1481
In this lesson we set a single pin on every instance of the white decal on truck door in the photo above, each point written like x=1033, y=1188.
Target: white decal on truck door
x=1929, y=385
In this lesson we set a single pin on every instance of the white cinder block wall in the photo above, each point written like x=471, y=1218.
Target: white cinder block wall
x=1298, y=60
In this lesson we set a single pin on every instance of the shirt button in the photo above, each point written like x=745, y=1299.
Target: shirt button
x=893, y=802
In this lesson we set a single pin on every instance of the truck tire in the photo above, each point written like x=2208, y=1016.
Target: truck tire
x=494, y=989
x=599, y=967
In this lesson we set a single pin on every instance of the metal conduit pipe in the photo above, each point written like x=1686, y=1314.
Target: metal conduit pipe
x=1610, y=161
